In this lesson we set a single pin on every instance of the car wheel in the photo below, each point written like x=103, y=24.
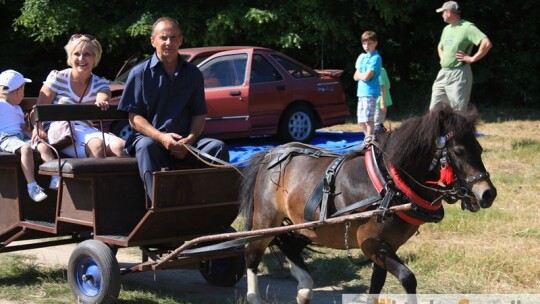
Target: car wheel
x=297, y=124
x=122, y=129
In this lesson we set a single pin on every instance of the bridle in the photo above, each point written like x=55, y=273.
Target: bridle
x=460, y=187
x=452, y=187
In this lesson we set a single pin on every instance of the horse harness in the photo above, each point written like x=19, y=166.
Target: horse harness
x=389, y=185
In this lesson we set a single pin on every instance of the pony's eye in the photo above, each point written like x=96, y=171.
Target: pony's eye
x=459, y=150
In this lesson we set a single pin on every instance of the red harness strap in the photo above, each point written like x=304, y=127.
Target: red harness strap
x=400, y=183
x=370, y=167
x=410, y=193
x=403, y=187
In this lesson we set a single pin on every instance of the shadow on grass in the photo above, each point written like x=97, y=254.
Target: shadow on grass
x=29, y=275
x=20, y=273
x=327, y=270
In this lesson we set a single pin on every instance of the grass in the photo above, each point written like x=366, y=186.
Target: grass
x=493, y=251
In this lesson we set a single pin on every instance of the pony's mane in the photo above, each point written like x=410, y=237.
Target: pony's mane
x=413, y=143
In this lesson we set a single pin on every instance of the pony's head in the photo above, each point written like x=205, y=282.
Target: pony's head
x=472, y=183
x=448, y=156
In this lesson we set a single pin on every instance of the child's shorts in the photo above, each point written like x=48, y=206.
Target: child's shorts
x=366, y=108
x=12, y=142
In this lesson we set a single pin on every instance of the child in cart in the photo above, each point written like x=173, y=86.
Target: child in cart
x=14, y=133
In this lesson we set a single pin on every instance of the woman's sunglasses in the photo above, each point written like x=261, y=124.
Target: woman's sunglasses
x=77, y=36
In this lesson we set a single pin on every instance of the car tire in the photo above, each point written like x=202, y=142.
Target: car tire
x=297, y=124
x=121, y=129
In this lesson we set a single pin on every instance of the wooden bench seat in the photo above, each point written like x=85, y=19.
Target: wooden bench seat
x=71, y=167
x=7, y=158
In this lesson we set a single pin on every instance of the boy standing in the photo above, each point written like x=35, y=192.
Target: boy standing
x=368, y=69
x=12, y=135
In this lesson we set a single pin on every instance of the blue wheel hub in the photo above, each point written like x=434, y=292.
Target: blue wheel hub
x=88, y=276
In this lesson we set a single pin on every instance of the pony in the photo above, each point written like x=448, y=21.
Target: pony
x=425, y=161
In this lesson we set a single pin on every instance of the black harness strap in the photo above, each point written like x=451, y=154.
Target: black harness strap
x=284, y=153
x=322, y=192
x=365, y=202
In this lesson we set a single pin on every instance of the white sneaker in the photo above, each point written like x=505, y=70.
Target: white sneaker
x=55, y=183
x=37, y=194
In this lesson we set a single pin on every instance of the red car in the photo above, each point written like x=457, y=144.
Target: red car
x=255, y=91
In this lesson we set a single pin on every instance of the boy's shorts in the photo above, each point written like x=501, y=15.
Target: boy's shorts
x=366, y=108
x=10, y=143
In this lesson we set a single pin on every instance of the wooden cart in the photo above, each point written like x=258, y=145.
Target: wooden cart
x=101, y=204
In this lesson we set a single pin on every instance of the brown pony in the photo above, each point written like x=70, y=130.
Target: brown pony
x=425, y=161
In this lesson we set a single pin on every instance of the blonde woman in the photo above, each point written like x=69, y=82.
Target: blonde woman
x=75, y=85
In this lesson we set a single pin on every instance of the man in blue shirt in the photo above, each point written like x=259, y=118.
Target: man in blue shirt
x=164, y=97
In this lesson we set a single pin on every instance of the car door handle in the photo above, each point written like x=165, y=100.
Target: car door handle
x=235, y=93
x=280, y=88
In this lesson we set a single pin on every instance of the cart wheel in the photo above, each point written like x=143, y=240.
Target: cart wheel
x=94, y=273
x=225, y=272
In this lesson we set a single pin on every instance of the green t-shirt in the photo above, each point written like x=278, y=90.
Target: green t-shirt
x=460, y=37
x=384, y=80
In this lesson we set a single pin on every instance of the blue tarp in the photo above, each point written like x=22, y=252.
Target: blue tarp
x=337, y=141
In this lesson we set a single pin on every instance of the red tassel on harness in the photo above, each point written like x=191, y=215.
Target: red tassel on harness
x=446, y=178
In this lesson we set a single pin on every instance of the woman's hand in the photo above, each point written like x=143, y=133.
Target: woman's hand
x=37, y=134
x=103, y=104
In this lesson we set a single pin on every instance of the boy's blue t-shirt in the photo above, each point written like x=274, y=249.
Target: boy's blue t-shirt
x=364, y=63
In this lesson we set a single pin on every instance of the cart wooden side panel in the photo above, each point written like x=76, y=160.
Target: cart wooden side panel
x=189, y=203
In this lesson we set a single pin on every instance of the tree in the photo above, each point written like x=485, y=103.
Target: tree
x=322, y=34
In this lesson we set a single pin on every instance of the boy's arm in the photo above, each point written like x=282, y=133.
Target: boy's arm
x=363, y=76
x=382, y=106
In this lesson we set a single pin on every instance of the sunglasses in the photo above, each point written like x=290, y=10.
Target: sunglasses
x=78, y=36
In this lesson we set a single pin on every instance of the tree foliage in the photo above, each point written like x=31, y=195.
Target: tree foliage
x=322, y=34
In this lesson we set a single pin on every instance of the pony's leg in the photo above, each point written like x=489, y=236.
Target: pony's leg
x=254, y=252
x=386, y=260
x=305, y=284
x=253, y=295
x=378, y=278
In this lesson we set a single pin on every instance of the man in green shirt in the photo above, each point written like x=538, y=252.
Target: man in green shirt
x=454, y=81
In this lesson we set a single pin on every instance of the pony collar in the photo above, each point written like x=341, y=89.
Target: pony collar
x=424, y=212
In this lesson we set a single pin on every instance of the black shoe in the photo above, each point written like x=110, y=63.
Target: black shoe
x=379, y=129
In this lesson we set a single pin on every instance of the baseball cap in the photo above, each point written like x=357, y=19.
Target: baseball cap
x=449, y=6
x=12, y=80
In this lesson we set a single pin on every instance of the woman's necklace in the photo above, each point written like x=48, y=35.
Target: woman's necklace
x=80, y=86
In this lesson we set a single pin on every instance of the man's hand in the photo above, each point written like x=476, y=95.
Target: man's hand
x=175, y=144
x=461, y=56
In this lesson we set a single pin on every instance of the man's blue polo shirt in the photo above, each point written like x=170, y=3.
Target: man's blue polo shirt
x=168, y=104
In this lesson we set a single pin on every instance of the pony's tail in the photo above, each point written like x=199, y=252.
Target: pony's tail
x=249, y=176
